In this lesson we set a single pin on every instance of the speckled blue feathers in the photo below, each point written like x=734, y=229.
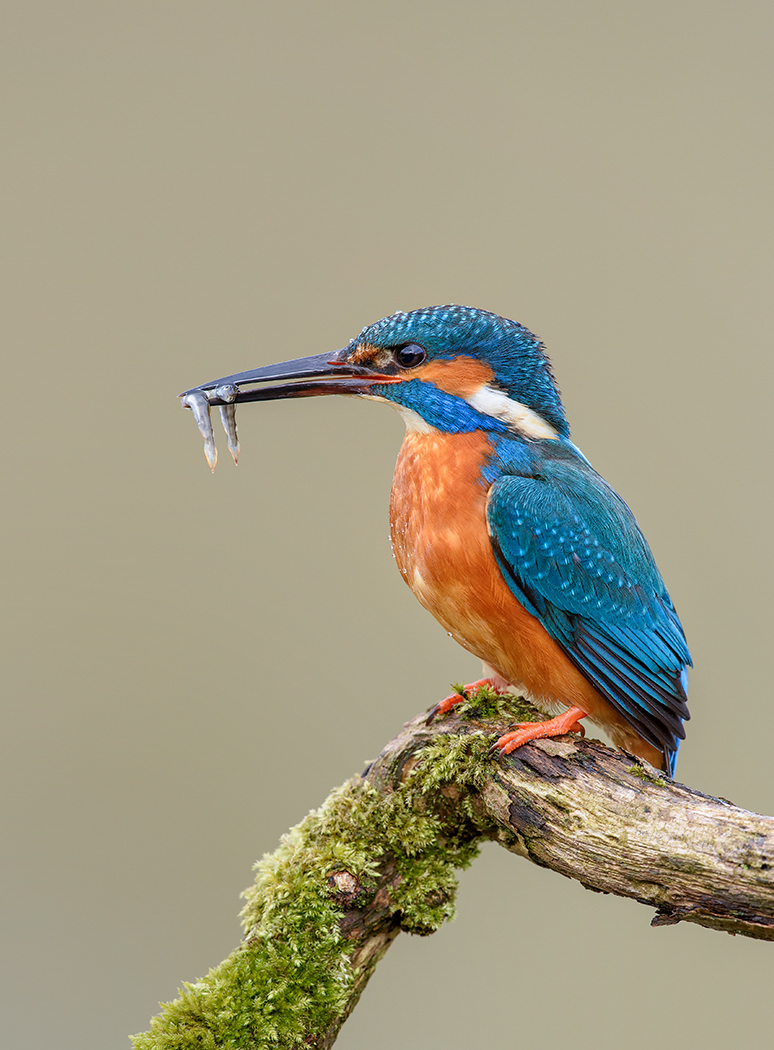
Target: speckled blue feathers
x=516, y=356
x=572, y=554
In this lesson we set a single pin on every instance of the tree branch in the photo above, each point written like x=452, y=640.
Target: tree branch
x=380, y=856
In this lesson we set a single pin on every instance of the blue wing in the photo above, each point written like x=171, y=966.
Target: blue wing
x=573, y=555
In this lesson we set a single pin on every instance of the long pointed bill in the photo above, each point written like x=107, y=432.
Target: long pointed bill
x=308, y=377
x=327, y=368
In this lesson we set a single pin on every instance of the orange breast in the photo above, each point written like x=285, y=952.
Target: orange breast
x=443, y=551
x=442, y=548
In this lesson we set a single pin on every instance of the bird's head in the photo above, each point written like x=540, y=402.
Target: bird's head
x=452, y=368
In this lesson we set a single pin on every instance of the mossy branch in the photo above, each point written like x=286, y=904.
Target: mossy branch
x=381, y=854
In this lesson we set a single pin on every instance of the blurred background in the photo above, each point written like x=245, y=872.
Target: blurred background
x=191, y=661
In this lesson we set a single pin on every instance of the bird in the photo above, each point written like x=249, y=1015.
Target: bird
x=501, y=527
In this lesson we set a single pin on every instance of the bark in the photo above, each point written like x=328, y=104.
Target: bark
x=380, y=855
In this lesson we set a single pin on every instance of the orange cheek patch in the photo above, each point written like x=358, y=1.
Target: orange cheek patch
x=462, y=377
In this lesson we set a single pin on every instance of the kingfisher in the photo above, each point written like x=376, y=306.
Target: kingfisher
x=500, y=525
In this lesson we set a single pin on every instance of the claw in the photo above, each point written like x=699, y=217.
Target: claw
x=568, y=722
x=455, y=698
x=200, y=407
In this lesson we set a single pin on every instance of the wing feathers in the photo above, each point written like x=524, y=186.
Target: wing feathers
x=573, y=555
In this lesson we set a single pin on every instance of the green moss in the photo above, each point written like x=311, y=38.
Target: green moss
x=293, y=974
x=651, y=776
x=485, y=704
x=290, y=975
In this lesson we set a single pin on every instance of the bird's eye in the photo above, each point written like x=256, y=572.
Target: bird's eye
x=410, y=356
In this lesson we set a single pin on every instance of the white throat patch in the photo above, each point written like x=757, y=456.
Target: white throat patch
x=415, y=424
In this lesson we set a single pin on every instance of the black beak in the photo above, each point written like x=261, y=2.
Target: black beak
x=325, y=374
x=304, y=377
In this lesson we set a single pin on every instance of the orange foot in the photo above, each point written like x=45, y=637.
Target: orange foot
x=453, y=699
x=569, y=722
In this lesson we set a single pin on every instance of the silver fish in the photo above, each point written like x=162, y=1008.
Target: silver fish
x=200, y=407
x=228, y=394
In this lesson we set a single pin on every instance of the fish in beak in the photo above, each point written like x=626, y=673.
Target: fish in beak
x=304, y=377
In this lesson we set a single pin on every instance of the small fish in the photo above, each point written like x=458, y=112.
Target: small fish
x=200, y=407
x=228, y=394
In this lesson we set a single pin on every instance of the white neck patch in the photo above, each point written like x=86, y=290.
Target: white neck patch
x=491, y=402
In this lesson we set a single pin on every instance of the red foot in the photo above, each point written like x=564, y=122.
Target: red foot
x=569, y=722
x=453, y=699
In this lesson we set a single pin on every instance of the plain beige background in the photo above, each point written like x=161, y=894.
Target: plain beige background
x=191, y=662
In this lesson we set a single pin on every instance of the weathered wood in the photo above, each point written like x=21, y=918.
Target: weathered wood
x=380, y=855
x=619, y=826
